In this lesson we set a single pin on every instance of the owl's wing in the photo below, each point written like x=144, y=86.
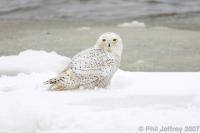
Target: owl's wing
x=93, y=62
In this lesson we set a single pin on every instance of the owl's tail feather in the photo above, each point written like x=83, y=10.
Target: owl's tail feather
x=50, y=81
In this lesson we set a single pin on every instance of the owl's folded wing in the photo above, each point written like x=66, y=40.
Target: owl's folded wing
x=93, y=63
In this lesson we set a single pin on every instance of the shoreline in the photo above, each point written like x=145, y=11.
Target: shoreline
x=93, y=22
x=145, y=48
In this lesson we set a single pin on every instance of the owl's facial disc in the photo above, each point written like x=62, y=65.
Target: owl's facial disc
x=110, y=42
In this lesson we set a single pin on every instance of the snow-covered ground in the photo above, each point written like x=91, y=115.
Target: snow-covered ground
x=133, y=101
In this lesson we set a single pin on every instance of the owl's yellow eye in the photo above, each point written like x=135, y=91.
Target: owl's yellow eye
x=103, y=40
x=114, y=40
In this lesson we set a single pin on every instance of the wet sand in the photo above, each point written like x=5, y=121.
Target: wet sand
x=145, y=49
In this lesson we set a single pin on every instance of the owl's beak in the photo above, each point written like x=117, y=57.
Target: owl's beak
x=108, y=44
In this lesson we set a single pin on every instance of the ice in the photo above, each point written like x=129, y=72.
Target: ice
x=132, y=100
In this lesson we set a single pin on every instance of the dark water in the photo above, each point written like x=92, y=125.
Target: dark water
x=172, y=13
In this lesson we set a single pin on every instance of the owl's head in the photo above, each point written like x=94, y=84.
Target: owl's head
x=110, y=42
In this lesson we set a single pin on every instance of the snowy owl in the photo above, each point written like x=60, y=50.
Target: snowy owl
x=93, y=67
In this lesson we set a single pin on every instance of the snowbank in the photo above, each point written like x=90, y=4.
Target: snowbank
x=133, y=99
x=32, y=61
x=33, y=67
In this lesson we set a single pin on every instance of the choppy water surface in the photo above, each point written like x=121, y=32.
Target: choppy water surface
x=174, y=13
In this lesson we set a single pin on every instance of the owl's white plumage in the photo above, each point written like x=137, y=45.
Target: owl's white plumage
x=93, y=67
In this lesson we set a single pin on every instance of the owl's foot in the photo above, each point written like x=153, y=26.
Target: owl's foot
x=55, y=87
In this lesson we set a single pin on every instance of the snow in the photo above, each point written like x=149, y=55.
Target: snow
x=132, y=24
x=132, y=100
x=83, y=28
